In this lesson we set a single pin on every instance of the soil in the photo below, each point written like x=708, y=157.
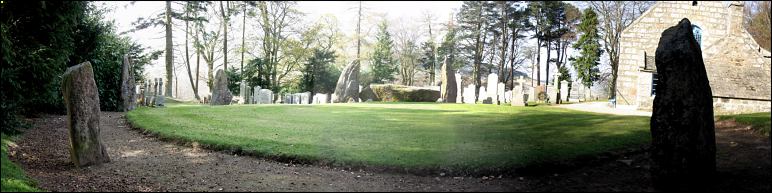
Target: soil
x=142, y=162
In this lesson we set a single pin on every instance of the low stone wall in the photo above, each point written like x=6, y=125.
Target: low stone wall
x=723, y=106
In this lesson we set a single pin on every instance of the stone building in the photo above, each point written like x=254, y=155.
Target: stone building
x=738, y=68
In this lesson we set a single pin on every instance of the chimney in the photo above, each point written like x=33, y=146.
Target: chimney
x=734, y=24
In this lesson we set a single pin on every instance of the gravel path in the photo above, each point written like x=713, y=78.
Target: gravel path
x=602, y=107
x=143, y=163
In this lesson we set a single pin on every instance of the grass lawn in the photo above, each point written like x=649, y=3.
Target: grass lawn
x=758, y=121
x=12, y=178
x=405, y=135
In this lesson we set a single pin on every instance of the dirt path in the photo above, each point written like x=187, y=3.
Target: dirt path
x=143, y=163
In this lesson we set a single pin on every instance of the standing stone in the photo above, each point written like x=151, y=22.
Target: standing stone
x=448, y=88
x=255, y=95
x=469, y=94
x=563, y=91
x=492, y=87
x=553, y=92
x=483, y=96
x=500, y=93
x=81, y=98
x=265, y=96
x=348, y=83
x=682, y=129
x=220, y=94
x=306, y=97
x=458, y=88
x=159, y=99
x=518, y=92
x=128, y=94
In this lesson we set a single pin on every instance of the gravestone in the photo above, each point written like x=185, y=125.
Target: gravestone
x=564, y=91
x=682, y=129
x=266, y=96
x=128, y=94
x=348, y=83
x=553, y=92
x=305, y=98
x=159, y=99
x=448, y=88
x=220, y=94
x=492, y=89
x=256, y=94
x=458, y=88
x=81, y=98
x=469, y=94
x=508, y=96
x=518, y=93
x=483, y=95
x=500, y=92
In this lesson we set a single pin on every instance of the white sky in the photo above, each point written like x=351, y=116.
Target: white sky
x=125, y=13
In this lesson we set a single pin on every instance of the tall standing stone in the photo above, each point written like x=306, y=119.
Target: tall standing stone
x=682, y=129
x=518, y=93
x=553, y=92
x=128, y=90
x=469, y=94
x=81, y=98
x=159, y=99
x=483, y=96
x=500, y=92
x=348, y=84
x=458, y=88
x=448, y=88
x=492, y=92
x=220, y=94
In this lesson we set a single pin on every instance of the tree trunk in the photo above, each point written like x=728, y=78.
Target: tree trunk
x=243, y=35
x=225, y=35
x=187, y=60
x=169, y=50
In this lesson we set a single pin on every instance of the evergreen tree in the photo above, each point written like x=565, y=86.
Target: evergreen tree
x=586, y=64
x=383, y=67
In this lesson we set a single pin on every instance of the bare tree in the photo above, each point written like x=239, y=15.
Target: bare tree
x=614, y=17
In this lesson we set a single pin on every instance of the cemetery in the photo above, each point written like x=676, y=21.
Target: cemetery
x=313, y=104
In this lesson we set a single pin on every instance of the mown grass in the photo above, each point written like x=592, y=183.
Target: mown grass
x=760, y=122
x=405, y=135
x=12, y=177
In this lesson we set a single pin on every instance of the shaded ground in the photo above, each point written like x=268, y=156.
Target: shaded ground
x=602, y=107
x=143, y=163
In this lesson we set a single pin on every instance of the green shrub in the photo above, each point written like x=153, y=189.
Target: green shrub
x=400, y=93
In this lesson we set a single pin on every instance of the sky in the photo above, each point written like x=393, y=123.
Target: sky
x=125, y=12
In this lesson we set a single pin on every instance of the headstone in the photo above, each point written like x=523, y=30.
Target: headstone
x=458, y=88
x=553, y=92
x=564, y=91
x=518, y=93
x=153, y=92
x=492, y=88
x=483, y=95
x=469, y=94
x=220, y=93
x=266, y=96
x=508, y=96
x=348, y=83
x=81, y=98
x=682, y=128
x=256, y=94
x=128, y=94
x=159, y=98
x=448, y=88
x=305, y=98
x=500, y=92
x=539, y=93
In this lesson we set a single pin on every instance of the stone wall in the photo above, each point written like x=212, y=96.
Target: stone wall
x=735, y=64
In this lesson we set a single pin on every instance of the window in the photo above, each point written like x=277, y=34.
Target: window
x=654, y=80
x=697, y=34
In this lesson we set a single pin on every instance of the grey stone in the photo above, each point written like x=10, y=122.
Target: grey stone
x=128, y=94
x=220, y=93
x=348, y=84
x=81, y=98
x=448, y=88
x=682, y=129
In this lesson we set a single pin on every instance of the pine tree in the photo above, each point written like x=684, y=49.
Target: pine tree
x=383, y=67
x=586, y=64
